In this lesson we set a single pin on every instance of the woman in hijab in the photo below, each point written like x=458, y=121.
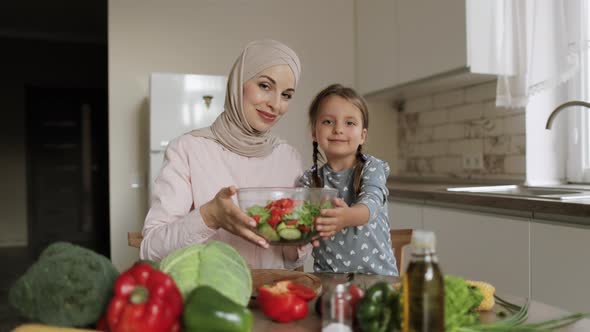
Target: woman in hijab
x=193, y=195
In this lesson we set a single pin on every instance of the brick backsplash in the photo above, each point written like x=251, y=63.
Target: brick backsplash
x=435, y=131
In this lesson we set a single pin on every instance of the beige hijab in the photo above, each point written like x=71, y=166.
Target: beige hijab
x=231, y=129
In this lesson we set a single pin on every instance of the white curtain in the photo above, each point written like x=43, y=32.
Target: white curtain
x=539, y=47
x=578, y=140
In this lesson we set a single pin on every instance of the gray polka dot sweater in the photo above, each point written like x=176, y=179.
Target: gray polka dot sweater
x=363, y=249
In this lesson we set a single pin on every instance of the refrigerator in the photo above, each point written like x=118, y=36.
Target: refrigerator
x=180, y=103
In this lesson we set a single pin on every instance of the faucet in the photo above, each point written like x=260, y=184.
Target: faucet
x=562, y=106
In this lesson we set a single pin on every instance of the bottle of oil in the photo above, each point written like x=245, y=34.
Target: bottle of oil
x=424, y=295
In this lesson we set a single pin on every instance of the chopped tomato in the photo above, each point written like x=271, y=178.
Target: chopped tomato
x=304, y=228
x=291, y=222
x=256, y=218
x=285, y=203
x=274, y=220
x=356, y=293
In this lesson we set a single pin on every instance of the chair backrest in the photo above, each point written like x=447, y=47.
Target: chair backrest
x=400, y=238
x=134, y=239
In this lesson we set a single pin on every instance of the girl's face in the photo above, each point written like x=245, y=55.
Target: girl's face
x=339, y=128
x=267, y=96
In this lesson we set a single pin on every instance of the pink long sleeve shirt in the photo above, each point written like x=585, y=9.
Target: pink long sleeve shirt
x=194, y=170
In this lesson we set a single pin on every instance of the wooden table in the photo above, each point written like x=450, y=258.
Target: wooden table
x=537, y=311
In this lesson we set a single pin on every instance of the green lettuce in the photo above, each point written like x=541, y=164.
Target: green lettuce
x=461, y=300
x=257, y=210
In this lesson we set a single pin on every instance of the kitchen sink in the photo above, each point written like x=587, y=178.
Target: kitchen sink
x=525, y=191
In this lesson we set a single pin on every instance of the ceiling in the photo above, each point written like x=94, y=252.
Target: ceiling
x=67, y=20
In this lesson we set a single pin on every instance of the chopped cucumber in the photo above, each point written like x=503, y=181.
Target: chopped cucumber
x=290, y=233
x=268, y=233
x=282, y=226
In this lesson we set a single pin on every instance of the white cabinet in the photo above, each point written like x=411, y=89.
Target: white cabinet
x=539, y=258
x=559, y=261
x=401, y=41
x=432, y=37
x=481, y=246
x=404, y=215
x=377, y=52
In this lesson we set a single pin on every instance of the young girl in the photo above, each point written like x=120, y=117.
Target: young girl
x=355, y=233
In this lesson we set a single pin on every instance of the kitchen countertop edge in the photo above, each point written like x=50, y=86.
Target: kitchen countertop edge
x=435, y=193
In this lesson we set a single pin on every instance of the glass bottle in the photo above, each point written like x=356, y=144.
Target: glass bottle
x=336, y=309
x=423, y=282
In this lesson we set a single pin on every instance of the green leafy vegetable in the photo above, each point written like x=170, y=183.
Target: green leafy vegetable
x=515, y=323
x=257, y=210
x=214, y=264
x=461, y=301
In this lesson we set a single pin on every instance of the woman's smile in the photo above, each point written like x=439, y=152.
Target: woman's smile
x=266, y=117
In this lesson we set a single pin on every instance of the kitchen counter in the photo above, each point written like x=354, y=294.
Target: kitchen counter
x=312, y=322
x=435, y=192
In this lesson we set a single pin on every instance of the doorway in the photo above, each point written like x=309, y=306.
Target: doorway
x=67, y=167
x=53, y=133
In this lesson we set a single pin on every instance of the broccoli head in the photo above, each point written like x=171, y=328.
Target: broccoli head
x=68, y=286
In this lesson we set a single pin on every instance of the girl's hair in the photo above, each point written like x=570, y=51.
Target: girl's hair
x=314, y=109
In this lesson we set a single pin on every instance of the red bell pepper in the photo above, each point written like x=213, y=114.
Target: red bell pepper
x=301, y=291
x=284, y=301
x=145, y=300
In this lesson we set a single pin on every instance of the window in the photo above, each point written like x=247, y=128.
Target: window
x=578, y=161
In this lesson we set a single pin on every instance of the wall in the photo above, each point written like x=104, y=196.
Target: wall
x=382, y=134
x=205, y=37
x=36, y=63
x=436, y=131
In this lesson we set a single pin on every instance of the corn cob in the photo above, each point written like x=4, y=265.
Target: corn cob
x=487, y=291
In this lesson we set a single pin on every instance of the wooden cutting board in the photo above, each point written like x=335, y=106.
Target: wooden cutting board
x=268, y=276
x=47, y=328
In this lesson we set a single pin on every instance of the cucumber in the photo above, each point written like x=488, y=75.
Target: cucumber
x=290, y=233
x=268, y=233
x=282, y=226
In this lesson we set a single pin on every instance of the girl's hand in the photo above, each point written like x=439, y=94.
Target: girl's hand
x=221, y=212
x=332, y=220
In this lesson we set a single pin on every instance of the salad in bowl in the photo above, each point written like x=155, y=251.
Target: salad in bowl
x=286, y=216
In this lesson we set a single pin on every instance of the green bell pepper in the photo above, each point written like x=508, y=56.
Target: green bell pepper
x=206, y=309
x=378, y=310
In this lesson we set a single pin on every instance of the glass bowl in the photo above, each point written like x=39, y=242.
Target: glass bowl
x=286, y=216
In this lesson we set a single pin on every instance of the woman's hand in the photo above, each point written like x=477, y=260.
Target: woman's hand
x=332, y=220
x=221, y=212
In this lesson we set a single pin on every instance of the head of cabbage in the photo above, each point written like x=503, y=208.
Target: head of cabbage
x=214, y=264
